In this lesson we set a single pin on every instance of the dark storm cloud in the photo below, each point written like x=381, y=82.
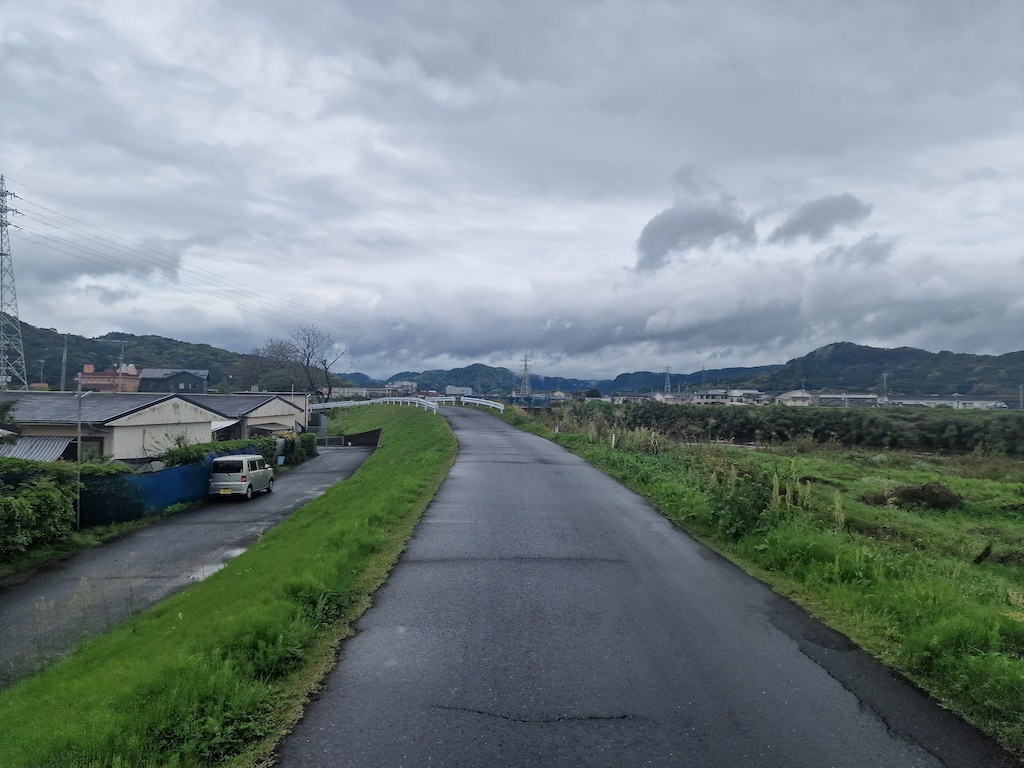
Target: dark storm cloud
x=704, y=214
x=678, y=230
x=817, y=219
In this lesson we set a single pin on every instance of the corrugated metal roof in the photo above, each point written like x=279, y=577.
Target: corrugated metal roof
x=271, y=427
x=37, y=448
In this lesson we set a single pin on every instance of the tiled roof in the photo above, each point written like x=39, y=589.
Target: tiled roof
x=235, y=406
x=62, y=407
x=163, y=373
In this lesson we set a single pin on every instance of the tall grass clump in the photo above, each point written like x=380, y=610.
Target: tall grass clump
x=215, y=674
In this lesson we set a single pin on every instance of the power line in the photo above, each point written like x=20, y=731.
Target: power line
x=112, y=256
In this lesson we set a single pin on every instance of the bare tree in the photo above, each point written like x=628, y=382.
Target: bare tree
x=317, y=350
x=273, y=356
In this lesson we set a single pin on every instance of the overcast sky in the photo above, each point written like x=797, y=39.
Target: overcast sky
x=604, y=187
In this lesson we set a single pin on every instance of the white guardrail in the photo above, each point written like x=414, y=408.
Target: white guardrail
x=426, y=403
x=417, y=401
x=478, y=401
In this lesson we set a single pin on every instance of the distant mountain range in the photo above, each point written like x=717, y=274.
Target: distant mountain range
x=842, y=367
x=486, y=379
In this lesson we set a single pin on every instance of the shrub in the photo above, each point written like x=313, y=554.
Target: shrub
x=194, y=454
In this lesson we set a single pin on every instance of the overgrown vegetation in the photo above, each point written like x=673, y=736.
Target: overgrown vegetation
x=917, y=557
x=193, y=454
x=37, y=502
x=923, y=429
x=213, y=675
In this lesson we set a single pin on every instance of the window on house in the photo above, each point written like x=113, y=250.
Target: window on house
x=181, y=385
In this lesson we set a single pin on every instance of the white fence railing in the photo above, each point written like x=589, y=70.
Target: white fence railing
x=425, y=403
x=419, y=402
x=479, y=401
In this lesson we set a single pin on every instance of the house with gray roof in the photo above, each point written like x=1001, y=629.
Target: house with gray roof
x=183, y=381
x=127, y=426
x=245, y=414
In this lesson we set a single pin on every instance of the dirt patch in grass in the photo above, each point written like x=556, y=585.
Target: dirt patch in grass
x=821, y=481
x=1012, y=557
x=876, y=531
x=927, y=495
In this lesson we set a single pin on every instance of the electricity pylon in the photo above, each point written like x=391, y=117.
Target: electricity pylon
x=12, y=351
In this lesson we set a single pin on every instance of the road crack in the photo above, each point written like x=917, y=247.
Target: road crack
x=537, y=720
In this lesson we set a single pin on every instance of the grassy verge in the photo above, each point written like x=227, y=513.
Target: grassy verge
x=214, y=675
x=937, y=593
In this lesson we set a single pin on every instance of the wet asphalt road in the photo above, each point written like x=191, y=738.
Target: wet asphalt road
x=543, y=615
x=44, y=613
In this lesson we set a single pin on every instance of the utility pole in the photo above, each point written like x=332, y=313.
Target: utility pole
x=12, y=351
x=64, y=364
x=41, y=371
x=885, y=387
x=120, y=359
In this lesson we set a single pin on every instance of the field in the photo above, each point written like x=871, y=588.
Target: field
x=214, y=675
x=918, y=557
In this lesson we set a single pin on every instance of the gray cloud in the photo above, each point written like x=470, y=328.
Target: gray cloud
x=704, y=214
x=678, y=230
x=873, y=250
x=817, y=219
x=381, y=169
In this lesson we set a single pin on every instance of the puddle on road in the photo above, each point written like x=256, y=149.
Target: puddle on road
x=206, y=570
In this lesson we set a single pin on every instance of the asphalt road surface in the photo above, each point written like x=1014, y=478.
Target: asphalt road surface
x=543, y=615
x=46, y=612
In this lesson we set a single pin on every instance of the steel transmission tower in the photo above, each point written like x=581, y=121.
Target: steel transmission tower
x=12, y=352
x=668, y=379
x=524, y=388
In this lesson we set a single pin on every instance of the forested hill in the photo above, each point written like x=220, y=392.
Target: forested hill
x=104, y=351
x=847, y=366
x=485, y=379
x=841, y=366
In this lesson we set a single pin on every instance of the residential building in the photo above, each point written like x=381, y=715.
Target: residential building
x=245, y=414
x=799, y=397
x=124, y=378
x=628, y=396
x=127, y=426
x=180, y=380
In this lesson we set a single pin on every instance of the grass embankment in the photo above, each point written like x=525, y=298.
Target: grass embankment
x=937, y=593
x=214, y=675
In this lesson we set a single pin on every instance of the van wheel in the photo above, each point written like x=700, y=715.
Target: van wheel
x=270, y=486
x=248, y=492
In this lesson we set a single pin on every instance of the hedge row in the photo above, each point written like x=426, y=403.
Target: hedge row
x=37, y=501
x=906, y=428
x=195, y=454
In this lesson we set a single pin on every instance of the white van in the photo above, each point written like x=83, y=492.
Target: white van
x=242, y=474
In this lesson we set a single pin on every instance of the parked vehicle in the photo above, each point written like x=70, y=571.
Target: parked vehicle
x=240, y=475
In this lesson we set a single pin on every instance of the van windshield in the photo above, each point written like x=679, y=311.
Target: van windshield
x=227, y=467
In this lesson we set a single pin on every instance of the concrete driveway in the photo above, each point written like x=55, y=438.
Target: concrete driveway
x=46, y=612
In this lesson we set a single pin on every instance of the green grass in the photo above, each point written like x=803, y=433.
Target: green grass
x=214, y=675
x=902, y=582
